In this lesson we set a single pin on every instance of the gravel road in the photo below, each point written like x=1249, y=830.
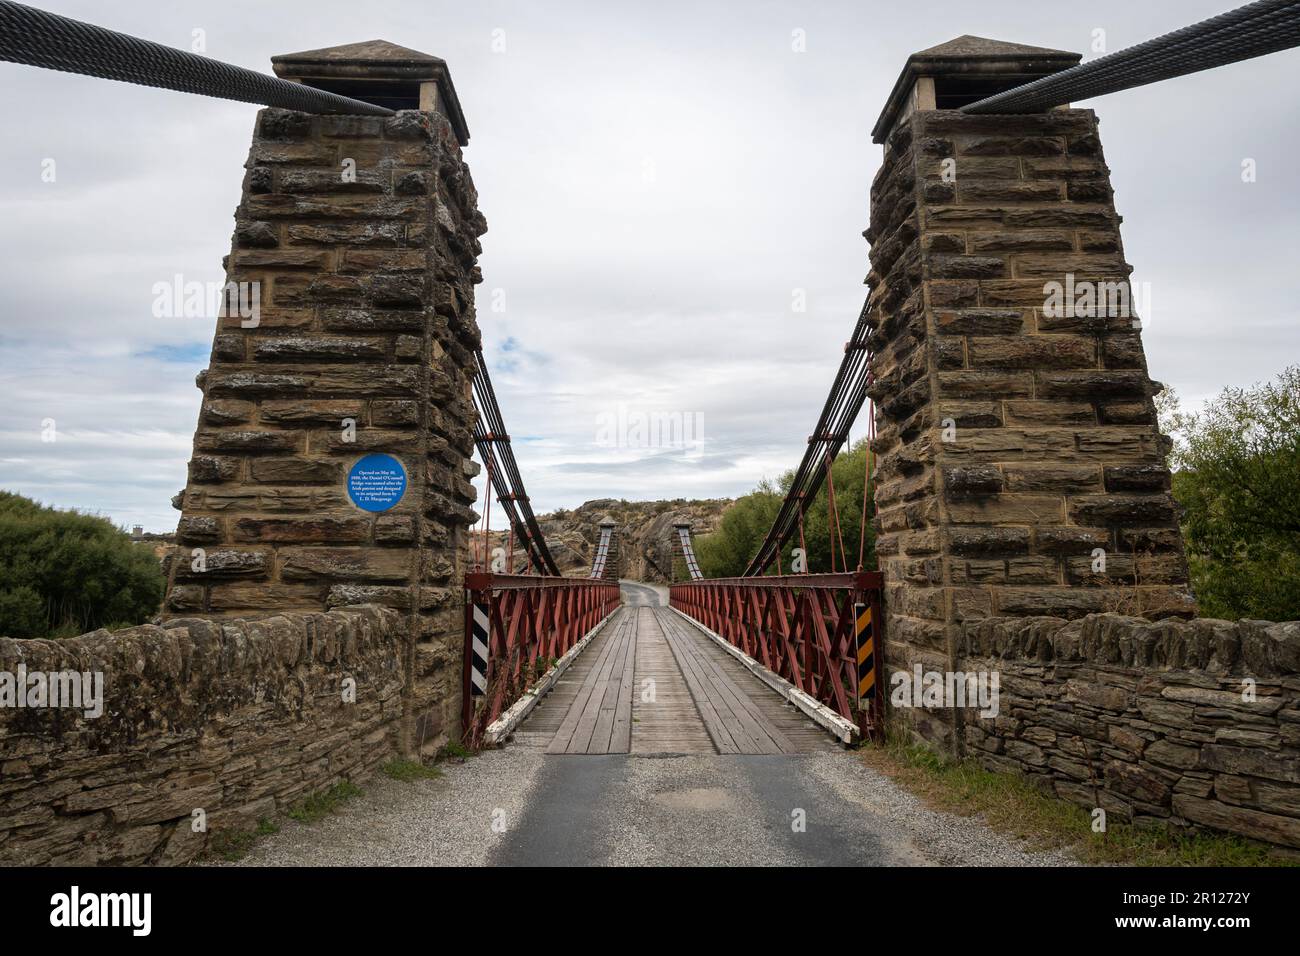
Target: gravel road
x=516, y=806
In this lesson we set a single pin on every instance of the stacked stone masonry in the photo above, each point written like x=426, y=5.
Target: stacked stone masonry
x=1014, y=446
x=361, y=234
x=1173, y=722
x=238, y=720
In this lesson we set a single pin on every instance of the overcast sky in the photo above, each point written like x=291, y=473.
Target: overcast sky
x=658, y=179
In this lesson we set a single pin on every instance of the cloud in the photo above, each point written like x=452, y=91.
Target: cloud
x=659, y=181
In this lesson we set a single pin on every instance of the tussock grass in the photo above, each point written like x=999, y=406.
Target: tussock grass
x=320, y=805
x=453, y=751
x=409, y=770
x=233, y=845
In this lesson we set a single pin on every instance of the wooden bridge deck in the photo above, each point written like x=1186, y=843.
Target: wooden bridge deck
x=653, y=683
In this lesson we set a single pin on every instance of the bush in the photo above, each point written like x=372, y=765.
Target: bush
x=728, y=551
x=1237, y=478
x=64, y=573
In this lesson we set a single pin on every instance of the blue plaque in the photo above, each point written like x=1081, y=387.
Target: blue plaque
x=376, y=482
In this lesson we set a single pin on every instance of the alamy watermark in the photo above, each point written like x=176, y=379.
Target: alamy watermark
x=631, y=428
x=75, y=908
x=79, y=690
x=179, y=299
x=1085, y=299
x=945, y=689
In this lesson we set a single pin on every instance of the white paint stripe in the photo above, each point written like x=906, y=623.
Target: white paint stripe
x=479, y=648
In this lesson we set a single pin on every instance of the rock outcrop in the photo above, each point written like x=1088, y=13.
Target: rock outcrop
x=647, y=543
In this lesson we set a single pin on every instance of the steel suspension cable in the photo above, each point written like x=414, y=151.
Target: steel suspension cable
x=1255, y=29
x=847, y=395
x=37, y=38
x=494, y=447
x=867, y=457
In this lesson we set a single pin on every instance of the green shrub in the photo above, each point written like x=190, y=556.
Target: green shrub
x=1237, y=478
x=728, y=551
x=64, y=573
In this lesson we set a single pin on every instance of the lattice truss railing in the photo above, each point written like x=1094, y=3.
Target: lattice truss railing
x=516, y=628
x=818, y=631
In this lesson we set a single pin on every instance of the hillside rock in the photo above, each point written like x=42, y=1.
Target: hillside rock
x=647, y=542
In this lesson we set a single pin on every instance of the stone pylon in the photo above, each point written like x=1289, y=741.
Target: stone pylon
x=331, y=460
x=1021, y=467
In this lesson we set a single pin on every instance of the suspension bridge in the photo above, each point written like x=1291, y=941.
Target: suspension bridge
x=1008, y=445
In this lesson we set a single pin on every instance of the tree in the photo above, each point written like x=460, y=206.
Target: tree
x=64, y=573
x=728, y=551
x=1237, y=478
x=725, y=553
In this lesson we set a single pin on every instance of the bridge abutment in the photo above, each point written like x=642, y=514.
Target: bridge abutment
x=331, y=461
x=1022, y=471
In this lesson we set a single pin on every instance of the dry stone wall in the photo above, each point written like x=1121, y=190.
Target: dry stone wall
x=1187, y=723
x=235, y=719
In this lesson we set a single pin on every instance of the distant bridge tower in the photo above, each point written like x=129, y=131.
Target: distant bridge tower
x=605, y=563
x=688, y=550
x=331, y=461
x=1021, y=467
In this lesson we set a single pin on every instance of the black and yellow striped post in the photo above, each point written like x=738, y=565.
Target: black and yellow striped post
x=865, y=637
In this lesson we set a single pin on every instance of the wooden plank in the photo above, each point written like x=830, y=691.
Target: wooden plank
x=749, y=727
x=669, y=722
x=714, y=722
x=765, y=734
x=515, y=715
x=586, y=729
x=569, y=725
x=706, y=701
x=620, y=741
x=744, y=739
x=821, y=715
x=615, y=687
x=804, y=734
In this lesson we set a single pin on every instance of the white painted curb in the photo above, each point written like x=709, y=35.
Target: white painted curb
x=505, y=725
x=843, y=730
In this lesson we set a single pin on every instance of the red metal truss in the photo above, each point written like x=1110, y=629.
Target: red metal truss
x=532, y=622
x=801, y=627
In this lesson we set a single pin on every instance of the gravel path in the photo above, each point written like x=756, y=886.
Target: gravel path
x=448, y=821
x=516, y=806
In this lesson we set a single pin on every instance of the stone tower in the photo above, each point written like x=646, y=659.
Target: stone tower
x=1021, y=467
x=331, y=460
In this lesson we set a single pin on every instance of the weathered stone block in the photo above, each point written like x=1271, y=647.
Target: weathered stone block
x=345, y=564
x=1122, y=509
x=979, y=321
x=1253, y=823
x=972, y=480
x=988, y=541
x=1032, y=352
x=321, y=528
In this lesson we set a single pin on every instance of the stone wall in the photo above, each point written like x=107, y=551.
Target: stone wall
x=239, y=719
x=361, y=234
x=1147, y=720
